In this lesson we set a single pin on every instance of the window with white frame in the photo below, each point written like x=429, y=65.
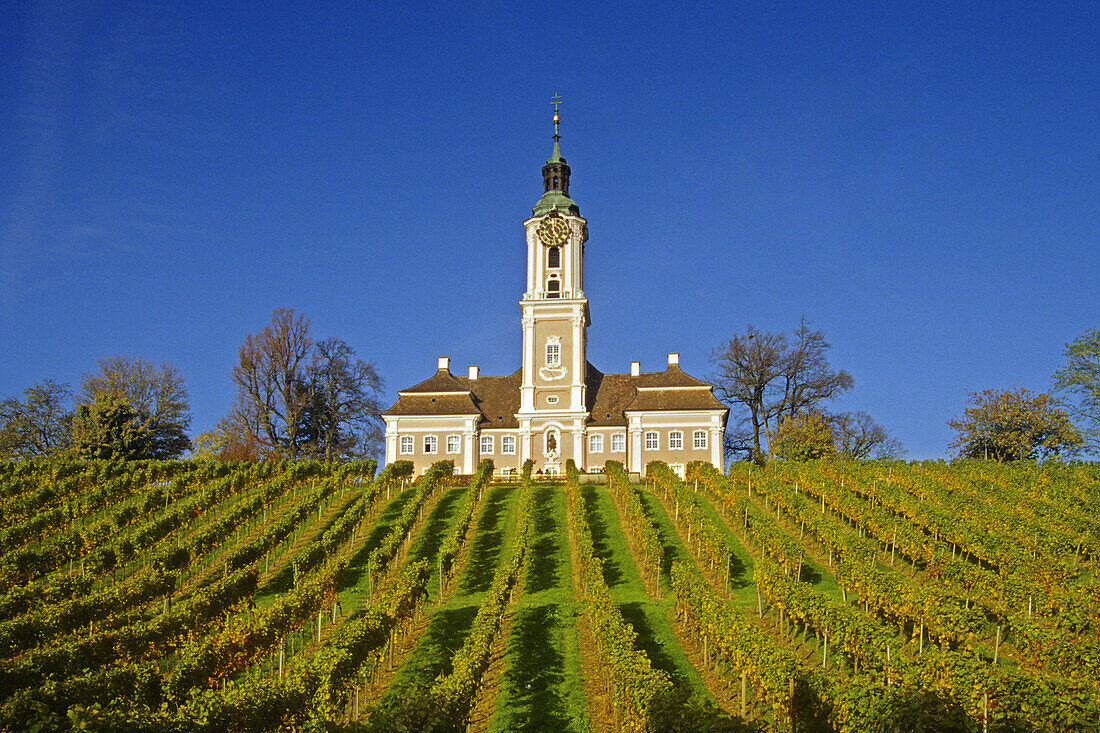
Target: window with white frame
x=508, y=445
x=676, y=440
x=431, y=444
x=407, y=445
x=454, y=444
x=699, y=439
x=595, y=444
x=553, y=355
x=486, y=444
x=651, y=442
x=618, y=443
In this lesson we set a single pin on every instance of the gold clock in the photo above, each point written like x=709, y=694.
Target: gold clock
x=553, y=231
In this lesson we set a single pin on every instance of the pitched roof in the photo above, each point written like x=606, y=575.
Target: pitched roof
x=674, y=376
x=421, y=404
x=441, y=381
x=497, y=399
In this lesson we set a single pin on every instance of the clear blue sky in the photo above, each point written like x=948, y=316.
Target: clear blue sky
x=922, y=182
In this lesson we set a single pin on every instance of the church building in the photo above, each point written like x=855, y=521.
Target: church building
x=556, y=406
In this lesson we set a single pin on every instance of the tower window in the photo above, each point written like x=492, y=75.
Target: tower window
x=553, y=289
x=553, y=257
x=553, y=355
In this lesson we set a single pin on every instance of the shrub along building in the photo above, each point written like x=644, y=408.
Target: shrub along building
x=556, y=406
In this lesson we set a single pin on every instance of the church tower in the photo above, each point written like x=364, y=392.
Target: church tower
x=555, y=320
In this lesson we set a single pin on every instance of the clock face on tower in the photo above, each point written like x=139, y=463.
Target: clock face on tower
x=553, y=231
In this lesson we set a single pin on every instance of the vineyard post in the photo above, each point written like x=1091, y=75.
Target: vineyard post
x=759, y=607
x=985, y=711
x=729, y=561
x=997, y=646
x=921, y=649
x=744, y=689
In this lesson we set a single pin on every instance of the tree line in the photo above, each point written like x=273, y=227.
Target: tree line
x=302, y=397
x=297, y=398
x=779, y=391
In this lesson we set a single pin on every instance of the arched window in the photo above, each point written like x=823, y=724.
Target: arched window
x=553, y=289
x=553, y=257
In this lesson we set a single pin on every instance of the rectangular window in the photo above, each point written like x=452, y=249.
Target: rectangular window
x=651, y=440
x=553, y=355
x=431, y=444
x=486, y=444
x=407, y=444
x=699, y=439
x=453, y=444
x=676, y=440
x=595, y=444
x=618, y=443
x=508, y=445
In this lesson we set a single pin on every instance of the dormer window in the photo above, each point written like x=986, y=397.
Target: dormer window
x=553, y=257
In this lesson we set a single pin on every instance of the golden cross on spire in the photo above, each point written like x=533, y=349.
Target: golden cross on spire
x=556, y=100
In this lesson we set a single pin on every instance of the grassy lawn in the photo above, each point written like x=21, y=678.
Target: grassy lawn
x=354, y=579
x=451, y=622
x=541, y=688
x=648, y=617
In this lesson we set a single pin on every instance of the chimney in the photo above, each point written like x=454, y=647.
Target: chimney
x=635, y=368
x=473, y=373
x=445, y=363
x=673, y=359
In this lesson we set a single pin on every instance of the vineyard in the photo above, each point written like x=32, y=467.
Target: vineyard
x=181, y=596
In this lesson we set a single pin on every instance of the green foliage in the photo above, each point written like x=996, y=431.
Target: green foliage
x=1078, y=382
x=804, y=437
x=39, y=426
x=109, y=428
x=1011, y=425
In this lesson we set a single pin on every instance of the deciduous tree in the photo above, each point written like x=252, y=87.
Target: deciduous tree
x=342, y=417
x=109, y=428
x=302, y=397
x=859, y=437
x=1009, y=425
x=39, y=425
x=764, y=377
x=271, y=392
x=156, y=395
x=804, y=437
x=1077, y=383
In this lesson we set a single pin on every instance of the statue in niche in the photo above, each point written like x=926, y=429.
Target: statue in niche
x=552, y=444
